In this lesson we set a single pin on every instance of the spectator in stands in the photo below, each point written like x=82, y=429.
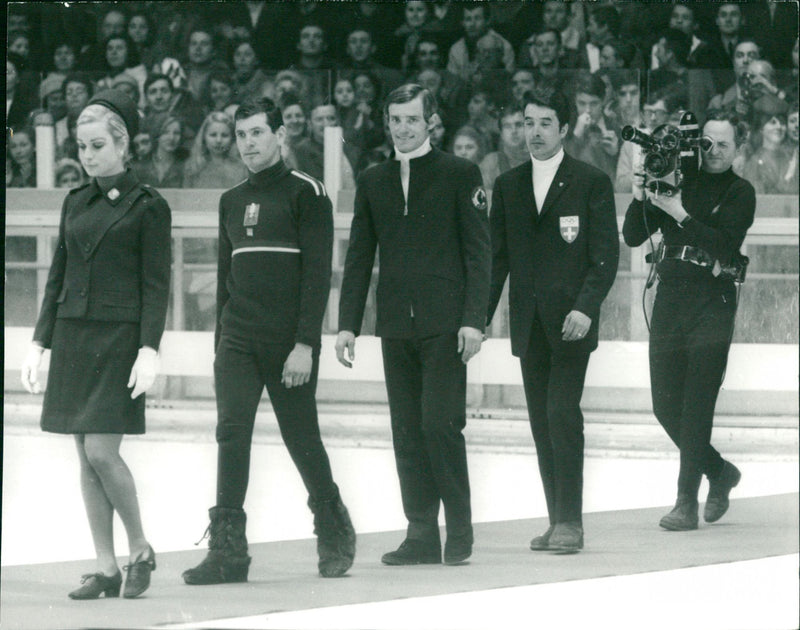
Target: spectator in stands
x=112, y=24
x=481, y=115
x=367, y=89
x=672, y=50
x=248, y=77
x=51, y=96
x=352, y=121
x=291, y=81
x=625, y=103
x=19, y=44
x=764, y=81
x=522, y=81
x=142, y=32
x=738, y=97
x=128, y=84
x=142, y=148
x=469, y=144
x=407, y=35
x=214, y=161
x=791, y=175
x=219, y=92
x=683, y=19
x=512, y=150
x=555, y=16
x=310, y=152
x=77, y=89
x=313, y=62
x=64, y=59
x=165, y=167
x=201, y=60
x=462, y=60
x=359, y=56
x=593, y=139
x=768, y=162
x=121, y=56
x=294, y=119
x=437, y=130
x=21, y=156
x=550, y=62
x=450, y=91
x=724, y=41
x=617, y=54
x=774, y=25
x=602, y=28
x=161, y=98
x=69, y=174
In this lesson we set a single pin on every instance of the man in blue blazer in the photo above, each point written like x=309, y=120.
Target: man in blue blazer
x=554, y=232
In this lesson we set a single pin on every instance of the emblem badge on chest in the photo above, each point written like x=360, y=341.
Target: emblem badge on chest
x=251, y=217
x=569, y=228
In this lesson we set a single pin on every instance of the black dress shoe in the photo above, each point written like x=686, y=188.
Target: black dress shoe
x=93, y=584
x=566, y=538
x=717, y=502
x=457, y=549
x=542, y=543
x=413, y=552
x=683, y=516
x=138, y=579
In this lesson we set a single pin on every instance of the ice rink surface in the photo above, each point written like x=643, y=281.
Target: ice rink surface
x=175, y=469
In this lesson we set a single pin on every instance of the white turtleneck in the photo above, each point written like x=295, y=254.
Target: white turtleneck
x=405, y=169
x=544, y=171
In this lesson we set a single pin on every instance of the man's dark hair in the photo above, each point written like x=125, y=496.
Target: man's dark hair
x=607, y=16
x=154, y=77
x=259, y=105
x=740, y=128
x=624, y=76
x=315, y=24
x=543, y=30
x=509, y=108
x=586, y=83
x=132, y=50
x=550, y=97
x=407, y=93
x=78, y=77
x=471, y=6
x=679, y=43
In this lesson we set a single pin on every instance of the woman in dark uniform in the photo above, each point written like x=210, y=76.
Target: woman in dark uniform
x=102, y=317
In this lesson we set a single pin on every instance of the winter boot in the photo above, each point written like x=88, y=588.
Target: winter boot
x=336, y=538
x=227, y=559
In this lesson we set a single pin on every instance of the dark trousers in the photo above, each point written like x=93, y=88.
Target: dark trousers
x=553, y=388
x=242, y=368
x=427, y=383
x=689, y=342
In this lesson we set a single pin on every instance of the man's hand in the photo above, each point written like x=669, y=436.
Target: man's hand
x=576, y=326
x=144, y=371
x=469, y=342
x=29, y=374
x=346, y=340
x=297, y=367
x=672, y=205
x=582, y=122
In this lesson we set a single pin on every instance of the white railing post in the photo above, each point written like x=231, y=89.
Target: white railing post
x=333, y=162
x=45, y=155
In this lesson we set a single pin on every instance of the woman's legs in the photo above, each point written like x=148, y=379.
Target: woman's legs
x=116, y=490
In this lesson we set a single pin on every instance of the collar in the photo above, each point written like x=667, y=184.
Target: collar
x=116, y=187
x=267, y=176
x=550, y=164
x=421, y=150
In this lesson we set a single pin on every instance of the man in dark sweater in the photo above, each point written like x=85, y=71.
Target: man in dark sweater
x=690, y=334
x=275, y=245
x=426, y=210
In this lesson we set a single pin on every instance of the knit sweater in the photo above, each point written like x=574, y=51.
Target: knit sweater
x=275, y=247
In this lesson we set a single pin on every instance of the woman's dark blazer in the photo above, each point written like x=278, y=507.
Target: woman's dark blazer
x=112, y=261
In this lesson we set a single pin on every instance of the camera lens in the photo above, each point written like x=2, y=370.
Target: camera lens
x=656, y=164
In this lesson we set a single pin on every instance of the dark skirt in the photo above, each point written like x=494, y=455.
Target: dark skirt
x=87, y=386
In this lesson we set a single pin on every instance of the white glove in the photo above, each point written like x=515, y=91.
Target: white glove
x=144, y=371
x=29, y=374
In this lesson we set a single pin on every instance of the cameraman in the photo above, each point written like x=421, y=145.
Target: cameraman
x=703, y=227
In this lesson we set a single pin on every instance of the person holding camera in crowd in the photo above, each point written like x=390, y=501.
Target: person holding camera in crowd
x=703, y=225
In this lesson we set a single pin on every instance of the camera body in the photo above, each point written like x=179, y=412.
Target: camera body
x=671, y=154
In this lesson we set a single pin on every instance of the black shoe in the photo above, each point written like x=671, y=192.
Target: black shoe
x=336, y=538
x=566, y=538
x=717, y=502
x=218, y=568
x=413, y=552
x=683, y=516
x=542, y=543
x=93, y=584
x=138, y=580
x=457, y=549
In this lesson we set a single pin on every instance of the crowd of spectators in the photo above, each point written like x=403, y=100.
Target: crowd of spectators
x=190, y=64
